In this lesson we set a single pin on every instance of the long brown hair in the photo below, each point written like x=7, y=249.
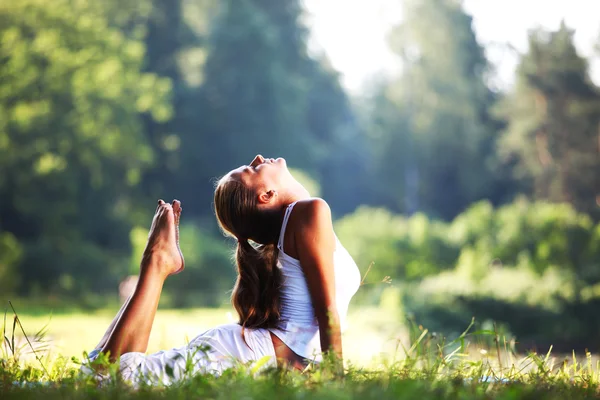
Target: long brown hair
x=256, y=295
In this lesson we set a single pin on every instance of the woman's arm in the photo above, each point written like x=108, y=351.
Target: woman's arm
x=315, y=244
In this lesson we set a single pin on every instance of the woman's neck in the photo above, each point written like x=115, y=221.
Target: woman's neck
x=293, y=194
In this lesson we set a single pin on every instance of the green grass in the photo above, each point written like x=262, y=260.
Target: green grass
x=415, y=364
x=371, y=331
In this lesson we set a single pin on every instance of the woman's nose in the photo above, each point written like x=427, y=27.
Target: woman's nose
x=257, y=161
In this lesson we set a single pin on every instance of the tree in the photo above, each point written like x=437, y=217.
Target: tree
x=336, y=145
x=254, y=105
x=343, y=158
x=176, y=41
x=444, y=129
x=392, y=166
x=265, y=94
x=71, y=142
x=553, y=119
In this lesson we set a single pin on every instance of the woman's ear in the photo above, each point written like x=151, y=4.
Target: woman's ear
x=267, y=197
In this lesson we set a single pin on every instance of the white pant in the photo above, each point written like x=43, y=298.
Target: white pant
x=210, y=352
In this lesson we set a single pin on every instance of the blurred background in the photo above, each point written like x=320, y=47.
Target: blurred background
x=457, y=142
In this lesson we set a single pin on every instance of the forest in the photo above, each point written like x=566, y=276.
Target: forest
x=460, y=200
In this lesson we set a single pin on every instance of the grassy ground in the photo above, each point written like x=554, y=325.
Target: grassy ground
x=425, y=367
x=371, y=332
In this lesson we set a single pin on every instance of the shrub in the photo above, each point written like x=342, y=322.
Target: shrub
x=10, y=254
x=404, y=248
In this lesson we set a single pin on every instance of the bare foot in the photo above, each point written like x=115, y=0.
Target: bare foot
x=162, y=250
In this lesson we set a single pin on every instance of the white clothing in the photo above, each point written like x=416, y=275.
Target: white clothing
x=222, y=347
x=210, y=352
x=299, y=328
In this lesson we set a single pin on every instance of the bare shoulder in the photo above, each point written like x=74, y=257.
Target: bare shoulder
x=314, y=240
x=313, y=211
x=309, y=224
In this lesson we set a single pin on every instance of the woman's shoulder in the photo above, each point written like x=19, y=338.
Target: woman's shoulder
x=308, y=219
x=312, y=210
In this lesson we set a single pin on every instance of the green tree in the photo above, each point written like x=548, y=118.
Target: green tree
x=265, y=94
x=71, y=142
x=335, y=144
x=443, y=132
x=393, y=165
x=254, y=106
x=553, y=119
x=176, y=41
x=340, y=144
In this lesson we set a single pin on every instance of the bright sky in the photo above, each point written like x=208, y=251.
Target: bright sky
x=353, y=32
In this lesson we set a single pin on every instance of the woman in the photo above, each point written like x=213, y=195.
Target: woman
x=291, y=294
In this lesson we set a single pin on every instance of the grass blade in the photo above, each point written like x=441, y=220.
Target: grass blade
x=13, y=335
x=6, y=341
x=418, y=341
x=362, y=282
x=27, y=338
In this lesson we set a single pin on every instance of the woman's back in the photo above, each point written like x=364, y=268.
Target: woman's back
x=299, y=328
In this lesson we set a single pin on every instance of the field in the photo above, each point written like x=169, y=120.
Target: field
x=371, y=332
x=381, y=362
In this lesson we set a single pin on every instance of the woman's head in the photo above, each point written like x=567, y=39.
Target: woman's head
x=247, y=200
x=248, y=208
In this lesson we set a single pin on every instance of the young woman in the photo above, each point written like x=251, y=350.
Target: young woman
x=292, y=292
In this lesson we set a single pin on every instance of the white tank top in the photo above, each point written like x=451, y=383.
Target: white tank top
x=299, y=328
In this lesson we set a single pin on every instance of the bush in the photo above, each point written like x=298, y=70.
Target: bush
x=535, y=236
x=533, y=268
x=538, y=311
x=10, y=254
x=406, y=248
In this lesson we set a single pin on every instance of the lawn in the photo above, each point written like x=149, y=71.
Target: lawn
x=381, y=363
x=371, y=332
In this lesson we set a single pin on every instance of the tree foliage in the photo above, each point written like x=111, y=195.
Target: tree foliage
x=433, y=121
x=71, y=96
x=554, y=122
x=106, y=106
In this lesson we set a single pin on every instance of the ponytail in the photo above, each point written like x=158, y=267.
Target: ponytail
x=256, y=295
x=257, y=292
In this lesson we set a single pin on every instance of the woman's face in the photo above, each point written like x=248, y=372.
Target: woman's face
x=262, y=173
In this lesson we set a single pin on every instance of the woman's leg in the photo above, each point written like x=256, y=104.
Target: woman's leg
x=112, y=325
x=162, y=257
